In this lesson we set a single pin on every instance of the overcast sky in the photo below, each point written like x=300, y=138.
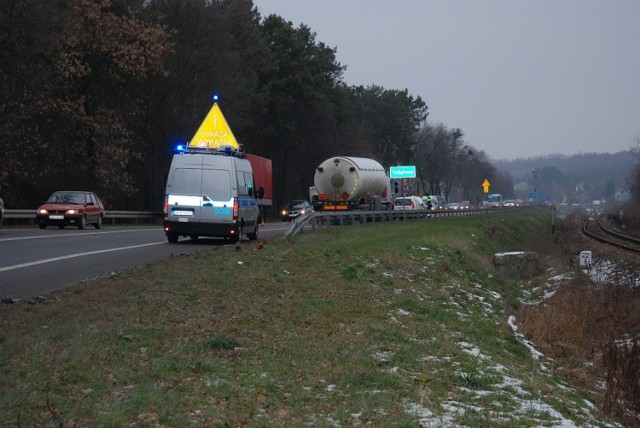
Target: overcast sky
x=521, y=78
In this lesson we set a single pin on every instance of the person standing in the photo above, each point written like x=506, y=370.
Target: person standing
x=429, y=205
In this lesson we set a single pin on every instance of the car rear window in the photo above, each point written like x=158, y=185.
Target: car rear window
x=403, y=202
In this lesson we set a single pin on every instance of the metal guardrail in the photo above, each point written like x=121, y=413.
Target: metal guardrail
x=319, y=218
x=340, y=218
x=9, y=214
x=355, y=217
x=110, y=216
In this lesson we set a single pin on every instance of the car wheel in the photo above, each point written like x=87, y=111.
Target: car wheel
x=42, y=225
x=61, y=226
x=172, y=237
x=99, y=222
x=83, y=222
x=194, y=237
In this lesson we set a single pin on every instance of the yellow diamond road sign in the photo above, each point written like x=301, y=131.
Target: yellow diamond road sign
x=214, y=132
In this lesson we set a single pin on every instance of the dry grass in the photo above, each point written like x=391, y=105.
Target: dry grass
x=622, y=399
x=582, y=317
x=581, y=327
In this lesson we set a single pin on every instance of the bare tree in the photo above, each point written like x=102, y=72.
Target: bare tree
x=430, y=155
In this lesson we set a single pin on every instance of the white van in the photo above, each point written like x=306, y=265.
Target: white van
x=210, y=194
x=408, y=203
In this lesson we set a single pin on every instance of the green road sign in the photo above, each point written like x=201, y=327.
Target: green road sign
x=403, y=171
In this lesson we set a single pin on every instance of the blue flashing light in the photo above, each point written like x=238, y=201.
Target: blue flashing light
x=215, y=98
x=181, y=148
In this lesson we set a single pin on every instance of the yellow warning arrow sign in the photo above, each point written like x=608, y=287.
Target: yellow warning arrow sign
x=485, y=185
x=214, y=132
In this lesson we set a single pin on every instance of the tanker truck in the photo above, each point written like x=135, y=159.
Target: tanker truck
x=347, y=183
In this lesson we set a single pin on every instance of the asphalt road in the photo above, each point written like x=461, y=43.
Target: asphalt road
x=34, y=261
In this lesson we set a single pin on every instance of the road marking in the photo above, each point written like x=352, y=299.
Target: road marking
x=71, y=256
x=21, y=238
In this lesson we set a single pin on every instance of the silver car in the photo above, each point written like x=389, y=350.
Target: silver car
x=296, y=208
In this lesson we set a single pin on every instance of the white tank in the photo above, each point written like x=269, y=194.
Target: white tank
x=350, y=179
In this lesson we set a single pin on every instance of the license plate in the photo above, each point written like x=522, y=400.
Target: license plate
x=56, y=217
x=183, y=220
x=178, y=212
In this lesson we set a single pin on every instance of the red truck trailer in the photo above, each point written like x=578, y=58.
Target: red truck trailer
x=263, y=178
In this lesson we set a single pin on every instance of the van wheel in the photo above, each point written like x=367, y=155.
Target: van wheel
x=235, y=239
x=172, y=237
x=253, y=236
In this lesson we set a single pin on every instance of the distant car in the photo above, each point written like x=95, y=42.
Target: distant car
x=71, y=208
x=296, y=208
x=453, y=206
x=465, y=205
x=1, y=211
x=510, y=203
x=408, y=203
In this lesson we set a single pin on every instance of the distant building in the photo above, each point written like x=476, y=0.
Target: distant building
x=622, y=196
x=522, y=190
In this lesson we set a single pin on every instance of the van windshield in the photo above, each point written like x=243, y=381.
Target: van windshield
x=214, y=183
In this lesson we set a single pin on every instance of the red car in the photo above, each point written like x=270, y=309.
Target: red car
x=64, y=208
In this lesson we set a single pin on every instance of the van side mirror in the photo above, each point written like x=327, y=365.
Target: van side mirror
x=260, y=193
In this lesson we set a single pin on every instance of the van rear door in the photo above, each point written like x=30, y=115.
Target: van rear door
x=217, y=198
x=200, y=195
x=184, y=195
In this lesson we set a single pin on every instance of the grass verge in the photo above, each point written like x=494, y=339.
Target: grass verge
x=394, y=324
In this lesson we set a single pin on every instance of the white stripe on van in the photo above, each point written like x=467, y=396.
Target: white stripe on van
x=197, y=201
x=193, y=201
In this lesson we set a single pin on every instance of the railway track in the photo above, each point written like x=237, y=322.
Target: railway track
x=594, y=229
